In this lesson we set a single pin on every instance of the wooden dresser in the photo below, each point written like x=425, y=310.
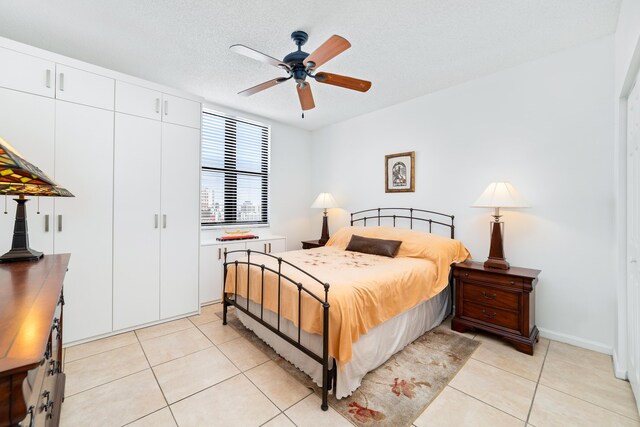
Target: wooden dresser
x=31, y=377
x=497, y=301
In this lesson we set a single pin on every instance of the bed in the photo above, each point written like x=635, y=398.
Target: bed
x=337, y=314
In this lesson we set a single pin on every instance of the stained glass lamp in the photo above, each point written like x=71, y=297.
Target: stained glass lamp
x=20, y=178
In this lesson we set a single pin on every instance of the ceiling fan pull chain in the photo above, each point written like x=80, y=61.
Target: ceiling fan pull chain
x=38, y=210
x=5, y=204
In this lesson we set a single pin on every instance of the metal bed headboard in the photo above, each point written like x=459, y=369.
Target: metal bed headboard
x=412, y=214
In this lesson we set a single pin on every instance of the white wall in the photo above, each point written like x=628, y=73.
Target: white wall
x=290, y=182
x=548, y=127
x=627, y=58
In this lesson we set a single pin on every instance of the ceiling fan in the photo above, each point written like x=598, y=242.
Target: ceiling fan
x=300, y=65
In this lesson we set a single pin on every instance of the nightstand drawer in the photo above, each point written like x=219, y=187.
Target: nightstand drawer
x=496, y=316
x=496, y=279
x=489, y=295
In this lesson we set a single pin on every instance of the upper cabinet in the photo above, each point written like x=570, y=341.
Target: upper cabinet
x=26, y=73
x=83, y=87
x=180, y=111
x=148, y=103
x=138, y=101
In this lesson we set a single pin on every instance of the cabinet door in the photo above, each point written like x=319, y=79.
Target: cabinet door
x=138, y=100
x=83, y=226
x=26, y=73
x=84, y=87
x=180, y=204
x=258, y=245
x=30, y=131
x=181, y=111
x=136, y=221
x=277, y=245
x=211, y=269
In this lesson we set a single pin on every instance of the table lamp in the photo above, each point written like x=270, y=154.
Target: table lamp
x=324, y=201
x=20, y=178
x=498, y=195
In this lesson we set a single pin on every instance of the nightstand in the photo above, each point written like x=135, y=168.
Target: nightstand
x=497, y=301
x=310, y=244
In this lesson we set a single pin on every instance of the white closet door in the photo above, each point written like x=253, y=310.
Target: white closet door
x=136, y=221
x=83, y=226
x=181, y=111
x=633, y=240
x=84, y=87
x=138, y=100
x=180, y=222
x=27, y=73
x=29, y=129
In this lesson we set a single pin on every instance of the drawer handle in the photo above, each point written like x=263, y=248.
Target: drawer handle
x=487, y=315
x=48, y=404
x=219, y=253
x=512, y=282
x=466, y=274
x=489, y=296
x=30, y=412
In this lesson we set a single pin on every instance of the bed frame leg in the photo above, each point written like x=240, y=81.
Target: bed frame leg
x=224, y=310
x=325, y=353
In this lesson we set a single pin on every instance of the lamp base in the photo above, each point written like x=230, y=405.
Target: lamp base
x=324, y=238
x=20, y=250
x=21, y=255
x=499, y=263
x=496, y=257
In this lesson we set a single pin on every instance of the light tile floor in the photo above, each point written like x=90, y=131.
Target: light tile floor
x=195, y=372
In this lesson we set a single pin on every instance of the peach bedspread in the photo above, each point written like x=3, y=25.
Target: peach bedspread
x=365, y=290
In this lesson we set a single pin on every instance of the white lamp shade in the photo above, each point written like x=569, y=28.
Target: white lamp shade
x=324, y=201
x=500, y=195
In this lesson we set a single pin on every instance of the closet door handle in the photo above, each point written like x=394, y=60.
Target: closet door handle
x=166, y=107
x=59, y=222
x=157, y=105
x=219, y=253
x=61, y=82
x=265, y=247
x=164, y=221
x=46, y=223
x=269, y=247
x=48, y=79
x=155, y=221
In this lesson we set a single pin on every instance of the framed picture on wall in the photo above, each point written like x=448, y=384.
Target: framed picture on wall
x=399, y=172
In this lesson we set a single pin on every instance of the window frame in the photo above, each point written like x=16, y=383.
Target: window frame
x=228, y=168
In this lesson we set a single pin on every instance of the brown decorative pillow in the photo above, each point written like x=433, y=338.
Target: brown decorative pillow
x=368, y=245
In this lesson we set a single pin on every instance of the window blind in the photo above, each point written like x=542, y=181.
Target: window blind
x=235, y=171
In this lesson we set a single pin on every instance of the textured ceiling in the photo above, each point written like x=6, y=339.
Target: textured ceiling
x=407, y=48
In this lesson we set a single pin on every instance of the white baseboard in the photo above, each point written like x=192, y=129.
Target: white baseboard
x=578, y=342
x=619, y=370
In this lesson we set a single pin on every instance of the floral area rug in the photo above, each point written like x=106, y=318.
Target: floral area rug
x=398, y=391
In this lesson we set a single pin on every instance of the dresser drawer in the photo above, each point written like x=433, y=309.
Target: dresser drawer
x=491, y=296
x=495, y=316
x=496, y=279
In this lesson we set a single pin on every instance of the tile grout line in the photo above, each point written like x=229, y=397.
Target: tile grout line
x=157, y=382
x=100, y=352
x=105, y=383
x=591, y=403
x=535, y=391
x=483, y=402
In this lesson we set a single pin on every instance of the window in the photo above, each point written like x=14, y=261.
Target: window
x=235, y=171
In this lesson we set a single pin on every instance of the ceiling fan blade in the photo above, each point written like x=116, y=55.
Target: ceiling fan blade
x=328, y=50
x=343, y=81
x=306, y=97
x=263, y=86
x=258, y=56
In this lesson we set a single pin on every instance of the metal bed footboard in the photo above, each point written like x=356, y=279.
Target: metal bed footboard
x=328, y=374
